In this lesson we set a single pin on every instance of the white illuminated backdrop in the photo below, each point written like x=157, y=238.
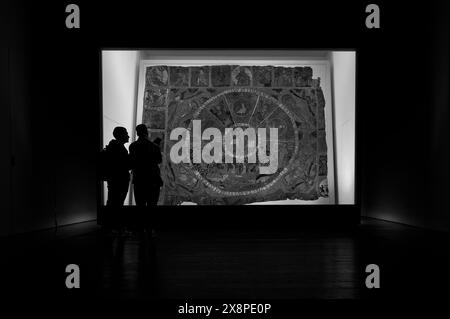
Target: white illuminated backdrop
x=343, y=65
x=119, y=90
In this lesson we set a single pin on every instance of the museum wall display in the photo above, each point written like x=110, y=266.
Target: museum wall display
x=237, y=98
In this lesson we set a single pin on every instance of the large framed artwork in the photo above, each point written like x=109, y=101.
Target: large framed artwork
x=240, y=132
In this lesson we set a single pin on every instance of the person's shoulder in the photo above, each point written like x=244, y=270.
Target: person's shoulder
x=112, y=146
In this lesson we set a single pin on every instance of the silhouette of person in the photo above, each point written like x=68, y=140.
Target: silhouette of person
x=145, y=157
x=119, y=178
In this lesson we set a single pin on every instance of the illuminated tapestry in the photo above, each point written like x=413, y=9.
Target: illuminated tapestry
x=234, y=97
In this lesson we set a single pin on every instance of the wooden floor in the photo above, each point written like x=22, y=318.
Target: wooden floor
x=229, y=264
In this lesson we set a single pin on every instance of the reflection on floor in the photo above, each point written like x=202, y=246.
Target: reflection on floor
x=229, y=264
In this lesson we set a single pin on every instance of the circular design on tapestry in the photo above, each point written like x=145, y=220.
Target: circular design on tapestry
x=246, y=108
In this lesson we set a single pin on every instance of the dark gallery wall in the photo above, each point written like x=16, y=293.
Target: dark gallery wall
x=17, y=157
x=439, y=133
x=5, y=129
x=403, y=103
x=50, y=121
x=49, y=129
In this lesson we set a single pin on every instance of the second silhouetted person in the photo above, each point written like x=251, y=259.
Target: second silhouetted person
x=145, y=159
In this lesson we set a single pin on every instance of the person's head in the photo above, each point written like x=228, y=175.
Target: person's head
x=141, y=131
x=120, y=134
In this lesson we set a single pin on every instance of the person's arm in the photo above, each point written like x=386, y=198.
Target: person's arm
x=132, y=157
